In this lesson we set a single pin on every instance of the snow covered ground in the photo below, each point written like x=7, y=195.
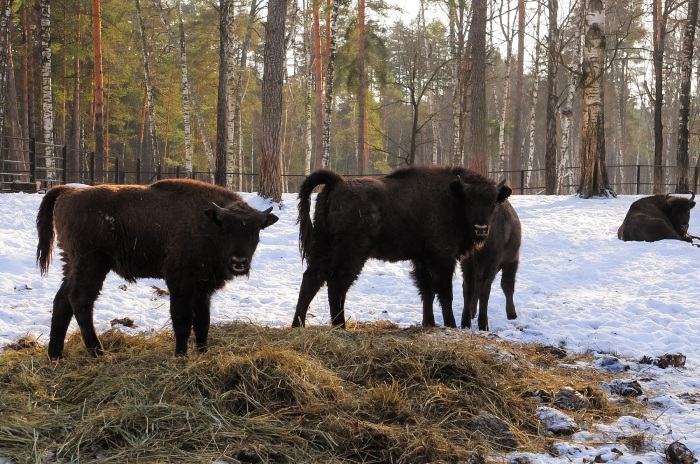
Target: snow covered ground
x=578, y=286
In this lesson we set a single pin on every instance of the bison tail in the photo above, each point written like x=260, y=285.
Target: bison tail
x=306, y=231
x=45, y=228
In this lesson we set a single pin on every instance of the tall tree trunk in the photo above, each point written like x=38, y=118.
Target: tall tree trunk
x=154, y=158
x=659, y=24
x=477, y=38
x=330, y=66
x=505, y=29
x=226, y=18
x=309, y=77
x=318, y=86
x=16, y=145
x=5, y=21
x=98, y=99
x=273, y=76
x=362, y=143
x=46, y=93
x=517, y=102
x=73, y=160
x=594, y=176
x=567, y=115
x=533, y=110
x=550, y=155
x=682, y=184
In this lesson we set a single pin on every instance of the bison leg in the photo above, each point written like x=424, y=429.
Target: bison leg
x=82, y=296
x=443, y=287
x=181, y=313
x=60, y=320
x=484, y=293
x=469, y=293
x=421, y=277
x=201, y=322
x=314, y=277
x=339, y=282
x=508, y=286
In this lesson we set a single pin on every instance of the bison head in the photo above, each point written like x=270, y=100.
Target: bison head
x=479, y=200
x=240, y=233
x=680, y=212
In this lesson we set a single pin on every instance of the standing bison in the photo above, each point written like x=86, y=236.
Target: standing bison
x=194, y=235
x=428, y=215
x=500, y=252
x=658, y=217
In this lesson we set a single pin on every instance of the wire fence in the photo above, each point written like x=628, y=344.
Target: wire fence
x=28, y=165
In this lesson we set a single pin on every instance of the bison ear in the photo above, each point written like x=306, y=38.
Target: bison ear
x=504, y=191
x=215, y=213
x=458, y=187
x=269, y=218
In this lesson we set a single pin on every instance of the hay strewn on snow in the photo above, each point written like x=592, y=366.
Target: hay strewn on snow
x=376, y=393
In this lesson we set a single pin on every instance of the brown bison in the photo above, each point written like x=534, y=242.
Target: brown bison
x=500, y=252
x=194, y=235
x=658, y=217
x=428, y=215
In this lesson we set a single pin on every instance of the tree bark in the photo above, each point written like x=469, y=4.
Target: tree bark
x=145, y=54
x=330, y=66
x=477, y=158
x=550, y=154
x=594, y=176
x=226, y=17
x=682, y=184
x=659, y=25
x=5, y=20
x=567, y=115
x=505, y=29
x=517, y=102
x=46, y=91
x=273, y=77
x=533, y=110
x=362, y=143
x=73, y=160
x=98, y=99
x=318, y=86
x=309, y=77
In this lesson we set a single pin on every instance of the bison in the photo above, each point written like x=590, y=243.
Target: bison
x=193, y=235
x=428, y=215
x=500, y=252
x=658, y=217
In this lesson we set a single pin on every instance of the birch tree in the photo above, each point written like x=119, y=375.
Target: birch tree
x=515, y=150
x=507, y=32
x=226, y=18
x=318, y=86
x=330, y=66
x=533, y=109
x=145, y=54
x=567, y=114
x=362, y=145
x=46, y=93
x=594, y=176
x=682, y=184
x=308, y=79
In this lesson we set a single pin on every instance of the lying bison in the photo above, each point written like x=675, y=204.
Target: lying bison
x=194, y=235
x=428, y=215
x=658, y=217
x=500, y=252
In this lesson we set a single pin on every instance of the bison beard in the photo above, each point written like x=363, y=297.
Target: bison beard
x=428, y=215
x=193, y=235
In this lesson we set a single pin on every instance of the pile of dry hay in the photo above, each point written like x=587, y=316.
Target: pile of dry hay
x=376, y=393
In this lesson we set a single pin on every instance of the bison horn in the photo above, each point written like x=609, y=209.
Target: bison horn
x=501, y=184
x=692, y=195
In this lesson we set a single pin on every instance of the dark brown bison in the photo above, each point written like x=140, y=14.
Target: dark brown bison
x=194, y=235
x=500, y=252
x=658, y=217
x=428, y=215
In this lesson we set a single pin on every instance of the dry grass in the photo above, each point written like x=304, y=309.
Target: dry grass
x=376, y=393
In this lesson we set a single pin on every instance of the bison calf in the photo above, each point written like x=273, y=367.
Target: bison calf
x=658, y=217
x=428, y=215
x=194, y=235
x=500, y=252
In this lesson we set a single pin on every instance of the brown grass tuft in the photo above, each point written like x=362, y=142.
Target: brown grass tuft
x=377, y=393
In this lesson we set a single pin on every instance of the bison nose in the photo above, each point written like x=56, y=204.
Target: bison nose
x=481, y=230
x=240, y=264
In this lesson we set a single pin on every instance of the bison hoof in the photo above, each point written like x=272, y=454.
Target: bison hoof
x=512, y=316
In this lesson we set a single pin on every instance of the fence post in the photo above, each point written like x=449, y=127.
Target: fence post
x=64, y=155
x=32, y=159
x=92, y=168
x=522, y=182
x=695, y=180
x=193, y=174
x=138, y=171
x=639, y=176
x=159, y=172
x=116, y=170
x=177, y=172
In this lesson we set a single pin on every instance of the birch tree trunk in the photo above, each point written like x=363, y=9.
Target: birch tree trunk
x=46, y=93
x=506, y=31
x=517, y=101
x=533, y=109
x=330, y=66
x=226, y=18
x=273, y=77
x=318, y=86
x=145, y=53
x=682, y=184
x=307, y=87
x=550, y=155
x=567, y=114
x=362, y=145
x=594, y=176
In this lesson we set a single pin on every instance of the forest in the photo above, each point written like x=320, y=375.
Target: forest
x=580, y=97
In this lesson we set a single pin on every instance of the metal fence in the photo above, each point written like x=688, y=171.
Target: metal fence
x=25, y=161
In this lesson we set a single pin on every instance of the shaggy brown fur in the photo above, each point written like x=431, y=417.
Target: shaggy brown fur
x=657, y=217
x=501, y=251
x=428, y=215
x=194, y=235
